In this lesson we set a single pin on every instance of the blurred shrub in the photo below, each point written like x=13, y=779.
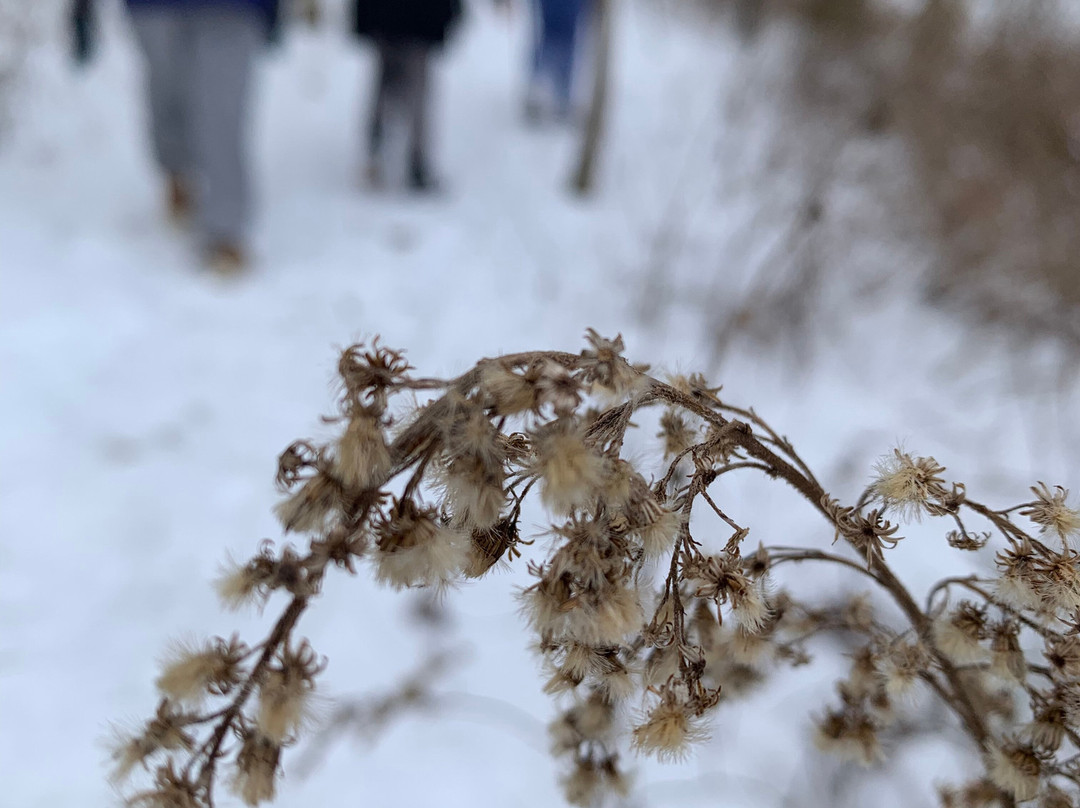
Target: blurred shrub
x=944, y=129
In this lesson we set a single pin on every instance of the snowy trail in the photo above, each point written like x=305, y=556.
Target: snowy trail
x=145, y=403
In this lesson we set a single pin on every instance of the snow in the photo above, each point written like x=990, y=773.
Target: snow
x=145, y=402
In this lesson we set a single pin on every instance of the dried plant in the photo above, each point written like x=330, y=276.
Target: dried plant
x=987, y=104
x=650, y=608
x=869, y=143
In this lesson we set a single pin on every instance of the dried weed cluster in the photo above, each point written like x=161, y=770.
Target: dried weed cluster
x=650, y=608
x=937, y=137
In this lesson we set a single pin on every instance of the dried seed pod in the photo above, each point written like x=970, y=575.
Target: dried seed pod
x=1016, y=768
x=670, y=729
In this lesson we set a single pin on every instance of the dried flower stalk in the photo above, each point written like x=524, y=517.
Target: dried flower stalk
x=673, y=644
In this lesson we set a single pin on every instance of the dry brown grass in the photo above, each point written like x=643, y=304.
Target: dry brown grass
x=972, y=108
x=991, y=117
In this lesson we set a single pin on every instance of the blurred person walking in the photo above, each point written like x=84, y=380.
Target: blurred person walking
x=405, y=33
x=554, y=58
x=199, y=61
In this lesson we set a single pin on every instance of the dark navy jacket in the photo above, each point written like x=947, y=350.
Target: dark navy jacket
x=424, y=21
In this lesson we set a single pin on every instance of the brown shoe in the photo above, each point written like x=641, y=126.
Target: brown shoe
x=373, y=176
x=179, y=199
x=227, y=259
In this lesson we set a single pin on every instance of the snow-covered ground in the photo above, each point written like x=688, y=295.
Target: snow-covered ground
x=144, y=402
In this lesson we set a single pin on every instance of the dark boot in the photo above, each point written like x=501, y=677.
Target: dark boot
x=421, y=179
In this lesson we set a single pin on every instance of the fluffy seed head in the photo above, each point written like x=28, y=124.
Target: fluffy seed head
x=591, y=719
x=901, y=667
x=605, y=368
x=1006, y=657
x=555, y=386
x=285, y=693
x=976, y=794
x=1054, y=797
x=958, y=634
x=669, y=731
x=1060, y=583
x=363, y=459
x=194, y=671
x=310, y=508
x=582, y=786
x=583, y=661
x=1051, y=512
x=864, y=679
x=571, y=472
x=241, y=585
x=617, y=685
x=1018, y=592
x=171, y=790
x=257, y=766
x=750, y=648
x=906, y=484
x=282, y=705
x=488, y=546
x=750, y=608
x=1046, y=730
x=1017, y=769
x=658, y=537
x=1020, y=570
x=677, y=434
x=163, y=733
x=858, y=612
x=508, y=393
x=850, y=735
x=661, y=665
x=414, y=549
x=1063, y=656
x=608, y=619
x=474, y=491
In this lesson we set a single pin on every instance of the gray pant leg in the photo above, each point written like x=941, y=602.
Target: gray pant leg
x=162, y=34
x=400, y=107
x=377, y=115
x=421, y=82
x=222, y=58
